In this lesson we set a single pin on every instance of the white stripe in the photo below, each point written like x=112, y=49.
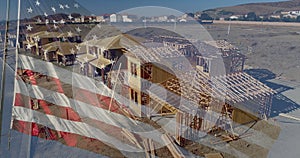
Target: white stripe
x=86, y=110
x=59, y=124
x=63, y=75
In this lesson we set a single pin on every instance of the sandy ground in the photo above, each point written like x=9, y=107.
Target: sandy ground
x=275, y=48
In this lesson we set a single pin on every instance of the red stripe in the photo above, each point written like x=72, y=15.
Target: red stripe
x=45, y=107
x=81, y=95
x=74, y=140
x=58, y=85
x=59, y=111
x=63, y=112
x=68, y=113
x=70, y=140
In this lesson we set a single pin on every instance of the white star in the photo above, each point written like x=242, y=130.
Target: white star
x=55, y=26
x=76, y=5
x=64, y=58
x=67, y=6
x=82, y=65
x=54, y=21
x=78, y=47
x=36, y=38
x=29, y=10
x=45, y=14
x=72, y=51
x=70, y=34
x=94, y=37
x=61, y=6
x=86, y=59
x=28, y=46
x=62, y=21
x=53, y=9
x=37, y=3
x=29, y=27
x=70, y=17
x=38, y=20
x=78, y=29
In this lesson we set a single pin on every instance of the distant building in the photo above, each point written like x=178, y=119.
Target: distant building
x=126, y=18
x=113, y=18
x=162, y=19
x=35, y=41
x=297, y=13
x=275, y=16
x=77, y=20
x=292, y=16
x=285, y=13
x=61, y=52
x=234, y=17
x=182, y=20
x=100, y=19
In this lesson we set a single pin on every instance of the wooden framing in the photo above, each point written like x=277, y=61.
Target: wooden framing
x=149, y=148
x=175, y=151
x=215, y=96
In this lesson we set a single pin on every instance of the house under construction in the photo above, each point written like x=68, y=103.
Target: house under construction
x=158, y=82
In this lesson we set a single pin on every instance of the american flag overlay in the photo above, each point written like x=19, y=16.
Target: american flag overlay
x=116, y=85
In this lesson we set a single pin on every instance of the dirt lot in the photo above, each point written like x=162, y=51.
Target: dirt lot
x=275, y=48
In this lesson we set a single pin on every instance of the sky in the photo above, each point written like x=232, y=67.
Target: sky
x=112, y=6
x=99, y=7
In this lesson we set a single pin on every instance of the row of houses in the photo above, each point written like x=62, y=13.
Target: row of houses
x=113, y=18
x=157, y=81
x=283, y=14
x=53, y=46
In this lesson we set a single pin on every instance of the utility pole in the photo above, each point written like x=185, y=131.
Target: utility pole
x=3, y=74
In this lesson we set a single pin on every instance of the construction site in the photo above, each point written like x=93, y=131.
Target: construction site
x=164, y=96
x=149, y=81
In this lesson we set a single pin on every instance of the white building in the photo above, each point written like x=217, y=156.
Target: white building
x=275, y=16
x=182, y=20
x=293, y=16
x=297, y=13
x=116, y=18
x=100, y=19
x=162, y=18
x=126, y=19
x=113, y=18
x=77, y=20
x=234, y=17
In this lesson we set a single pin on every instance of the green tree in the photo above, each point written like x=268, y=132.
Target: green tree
x=205, y=16
x=298, y=19
x=251, y=16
